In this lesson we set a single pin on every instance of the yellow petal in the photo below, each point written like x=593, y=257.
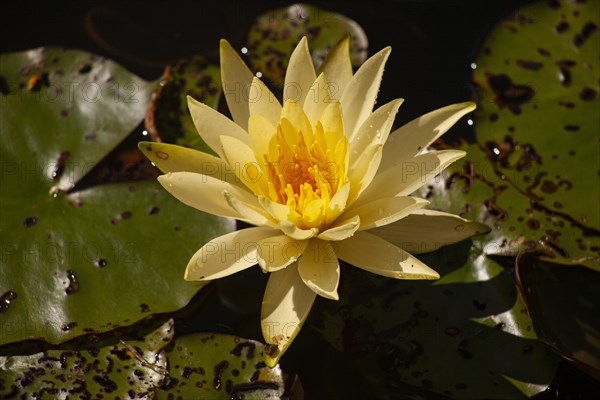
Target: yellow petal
x=211, y=125
x=373, y=254
x=317, y=100
x=363, y=172
x=414, y=137
x=332, y=123
x=278, y=211
x=427, y=230
x=341, y=230
x=286, y=304
x=360, y=94
x=277, y=252
x=241, y=159
x=337, y=204
x=294, y=232
x=319, y=269
x=263, y=102
x=172, y=158
x=236, y=78
x=384, y=211
x=205, y=193
x=300, y=74
x=260, y=131
x=226, y=255
x=337, y=68
x=297, y=118
x=374, y=130
x=255, y=215
x=406, y=177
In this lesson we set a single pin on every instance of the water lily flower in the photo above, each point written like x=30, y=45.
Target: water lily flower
x=320, y=177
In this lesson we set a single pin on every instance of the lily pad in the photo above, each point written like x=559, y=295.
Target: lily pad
x=466, y=335
x=128, y=370
x=217, y=366
x=477, y=190
x=563, y=305
x=78, y=260
x=538, y=78
x=204, y=365
x=168, y=118
x=274, y=35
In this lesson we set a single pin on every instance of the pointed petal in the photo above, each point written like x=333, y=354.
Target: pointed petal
x=236, y=78
x=240, y=158
x=286, y=304
x=205, y=193
x=384, y=211
x=300, y=74
x=296, y=116
x=319, y=269
x=211, y=125
x=406, y=177
x=414, y=137
x=278, y=211
x=428, y=230
x=361, y=175
x=260, y=130
x=373, y=254
x=226, y=254
x=337, y=68
x=294, y=232
x=277, y=252
x=375, y=129
x=341, y=230
x=317, y=100
x=337, y=204
x=255, y=215
x=360, y=94
x=173, y=158
x=263, y=102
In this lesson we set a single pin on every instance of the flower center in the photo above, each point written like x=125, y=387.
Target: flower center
x=306, y=165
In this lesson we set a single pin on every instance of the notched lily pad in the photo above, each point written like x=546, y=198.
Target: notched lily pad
x=127, y=370
x=274, y=35
x=465, y=336
x=168, y=118
x=563, y=305
x=218, y=366
x=538, y=79
x=67, y=250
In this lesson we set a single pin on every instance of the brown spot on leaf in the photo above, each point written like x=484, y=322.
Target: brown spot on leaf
x=571, y=128
x=587, y=94
x=509, y=94
x=587, y=30
x=530, y=65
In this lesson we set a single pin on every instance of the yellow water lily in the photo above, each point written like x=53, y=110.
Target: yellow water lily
x=320, y=177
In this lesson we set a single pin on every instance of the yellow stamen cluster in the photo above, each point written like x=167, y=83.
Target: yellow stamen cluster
x=306, y=167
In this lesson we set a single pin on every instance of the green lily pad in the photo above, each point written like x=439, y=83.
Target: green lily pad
x=274, y=35
x=78, y=260
x=476, y=189
x=168, y=118
x=203, y=365
x=130, y=369
x=563, y=305
x=466, y=335
x=538, y=78
x=217, y=366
